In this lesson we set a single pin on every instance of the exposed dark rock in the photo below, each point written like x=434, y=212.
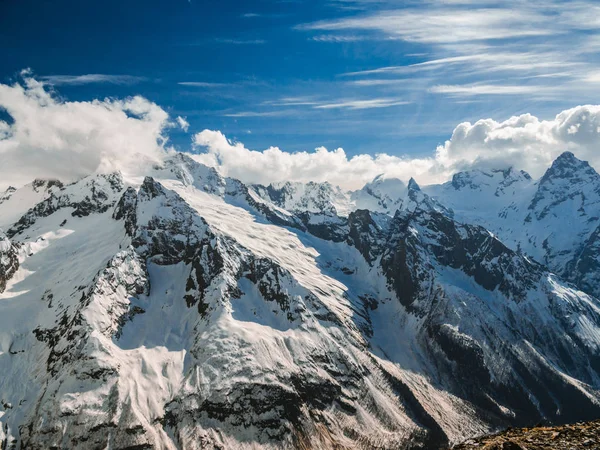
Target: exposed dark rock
x=170, y=237
x=365, y=234
x=126, y=210
x=9, y=260
x=325, y=225
x=206, y=265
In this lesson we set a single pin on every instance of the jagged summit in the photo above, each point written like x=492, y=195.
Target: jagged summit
x=568, y=159
x=568, y=167
x=412, y=185
x=308, y=197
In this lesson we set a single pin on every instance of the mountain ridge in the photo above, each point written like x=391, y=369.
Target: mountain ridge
x=186, y=309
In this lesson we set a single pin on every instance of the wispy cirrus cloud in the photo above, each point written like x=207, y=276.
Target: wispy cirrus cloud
x=287, y=106
x=236, y=41
x=277, y=113
x=482, y=63
x=262, y=15
x=337, y=38
x=468, y=42
x=293, y=105
x=363, y=104
x=489, y=89
x=203, y=84
x=380, y=82
x=92, y=78
x=442, y=25
x=293, y=101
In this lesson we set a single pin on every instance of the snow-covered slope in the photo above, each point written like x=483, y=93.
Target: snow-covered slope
x=309, y=197
x=186, y=310
x=380, y=195
x=15, y=202
x=480, y=195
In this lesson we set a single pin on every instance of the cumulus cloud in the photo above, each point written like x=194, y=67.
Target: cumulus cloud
x=274, y=164
x=43, y=136
x=524, y=142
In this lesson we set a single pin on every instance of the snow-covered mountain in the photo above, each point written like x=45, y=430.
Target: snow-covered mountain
x=187, y=310
x=553, y=220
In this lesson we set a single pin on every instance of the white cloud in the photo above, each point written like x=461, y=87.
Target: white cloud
x=91, y=78
x=203, y=84
x=362, y=104
x=241, y=41
x=274, y=164
x=344, y=103
x=258, y=114
x=380, y=82
x=336, y=38
x=48, y=137
x=524, y=142
x=293, y=101
x=183, y=124
x=486, y=89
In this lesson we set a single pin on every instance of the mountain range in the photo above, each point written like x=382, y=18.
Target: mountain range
x=188, y=310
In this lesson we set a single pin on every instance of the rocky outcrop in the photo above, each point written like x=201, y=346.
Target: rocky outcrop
x=582, y=435
x=126, y=210
x=9, y=260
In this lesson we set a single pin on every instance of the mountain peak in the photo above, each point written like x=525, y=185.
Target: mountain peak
x=568, y=159
x=412, y=185
x=568, y=166
x=567, y=156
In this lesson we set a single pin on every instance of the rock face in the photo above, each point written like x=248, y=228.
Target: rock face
x=190, y=311
x=566, y=437
x=9, y=261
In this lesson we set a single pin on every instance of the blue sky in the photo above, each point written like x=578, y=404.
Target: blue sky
x=366, y=75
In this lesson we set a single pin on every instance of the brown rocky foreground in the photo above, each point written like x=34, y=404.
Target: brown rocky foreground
x=582, y=435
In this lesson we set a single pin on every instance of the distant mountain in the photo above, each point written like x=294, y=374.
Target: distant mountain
x=553, y=220
x=187, y=310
